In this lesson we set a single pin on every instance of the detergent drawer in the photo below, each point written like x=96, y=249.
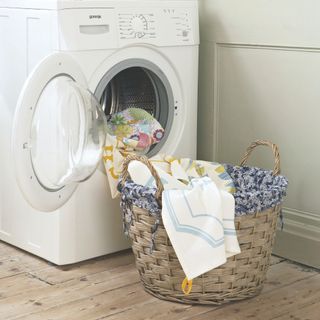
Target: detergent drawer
x=87, y=29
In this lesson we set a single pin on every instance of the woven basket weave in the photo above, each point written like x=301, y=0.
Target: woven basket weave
x=241, y=277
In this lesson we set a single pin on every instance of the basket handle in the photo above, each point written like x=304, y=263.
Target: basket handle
x=154, y=173
x=275, y=150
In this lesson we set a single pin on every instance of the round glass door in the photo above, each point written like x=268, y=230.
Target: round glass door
x=58, y=133
x=67, y=134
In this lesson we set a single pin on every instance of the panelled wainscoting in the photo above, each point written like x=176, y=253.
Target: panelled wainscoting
x=259, y=79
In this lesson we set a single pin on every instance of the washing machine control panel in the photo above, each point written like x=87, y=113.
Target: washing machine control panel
x=160, y=26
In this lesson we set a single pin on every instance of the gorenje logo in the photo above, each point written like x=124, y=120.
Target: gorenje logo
x=97, y=16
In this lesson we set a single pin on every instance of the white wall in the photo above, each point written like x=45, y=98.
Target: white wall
x=260, y=79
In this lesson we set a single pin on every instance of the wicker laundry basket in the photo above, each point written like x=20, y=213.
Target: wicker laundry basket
x=242, y=276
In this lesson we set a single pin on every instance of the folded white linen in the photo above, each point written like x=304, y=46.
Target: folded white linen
x=200, y=224
x=140, y=174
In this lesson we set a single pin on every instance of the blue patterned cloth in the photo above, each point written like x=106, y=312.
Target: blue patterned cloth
x=142, y=197
x=256, y=189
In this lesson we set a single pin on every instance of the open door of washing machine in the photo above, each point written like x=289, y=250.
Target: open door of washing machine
x=58, y=133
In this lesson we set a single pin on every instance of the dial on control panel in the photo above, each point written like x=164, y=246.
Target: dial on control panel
x=136, y=26
x=139, y=25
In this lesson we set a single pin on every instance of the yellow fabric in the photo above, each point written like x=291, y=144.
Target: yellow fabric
x=185, y=168
x=114, y=154
x=181, y=169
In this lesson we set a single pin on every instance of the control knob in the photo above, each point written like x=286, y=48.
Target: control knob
x=139, y=25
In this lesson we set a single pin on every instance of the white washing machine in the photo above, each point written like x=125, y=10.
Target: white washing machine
x=54, y=196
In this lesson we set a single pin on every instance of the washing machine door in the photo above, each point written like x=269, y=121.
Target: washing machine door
x=58, y=133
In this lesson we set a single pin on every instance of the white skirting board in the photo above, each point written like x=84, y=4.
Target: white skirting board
x=300, y=238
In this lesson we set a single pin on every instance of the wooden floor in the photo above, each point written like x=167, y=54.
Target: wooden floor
x=109, y=288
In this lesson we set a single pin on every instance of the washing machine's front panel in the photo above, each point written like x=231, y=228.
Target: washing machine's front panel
x=58, y=133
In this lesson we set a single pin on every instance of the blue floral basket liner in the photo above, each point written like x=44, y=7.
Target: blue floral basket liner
x=256, y=190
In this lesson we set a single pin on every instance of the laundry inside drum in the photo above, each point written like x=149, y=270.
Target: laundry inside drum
x=138, y=87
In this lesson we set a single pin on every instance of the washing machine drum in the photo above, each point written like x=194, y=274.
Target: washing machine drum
x=131, y=88
x=138, y=87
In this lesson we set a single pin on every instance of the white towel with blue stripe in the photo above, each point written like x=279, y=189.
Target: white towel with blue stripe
x=200, y=224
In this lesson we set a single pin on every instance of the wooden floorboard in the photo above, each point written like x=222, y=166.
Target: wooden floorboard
x=109, y=288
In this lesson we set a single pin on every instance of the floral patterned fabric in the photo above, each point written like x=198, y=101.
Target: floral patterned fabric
x=130, y=131
x=142, y=197
x=256, y=189
x=136, y=128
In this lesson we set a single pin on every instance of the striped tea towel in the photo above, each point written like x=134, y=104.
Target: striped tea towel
x=200, y=224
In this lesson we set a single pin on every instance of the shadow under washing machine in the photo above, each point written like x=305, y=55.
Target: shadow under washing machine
x=73, y=58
